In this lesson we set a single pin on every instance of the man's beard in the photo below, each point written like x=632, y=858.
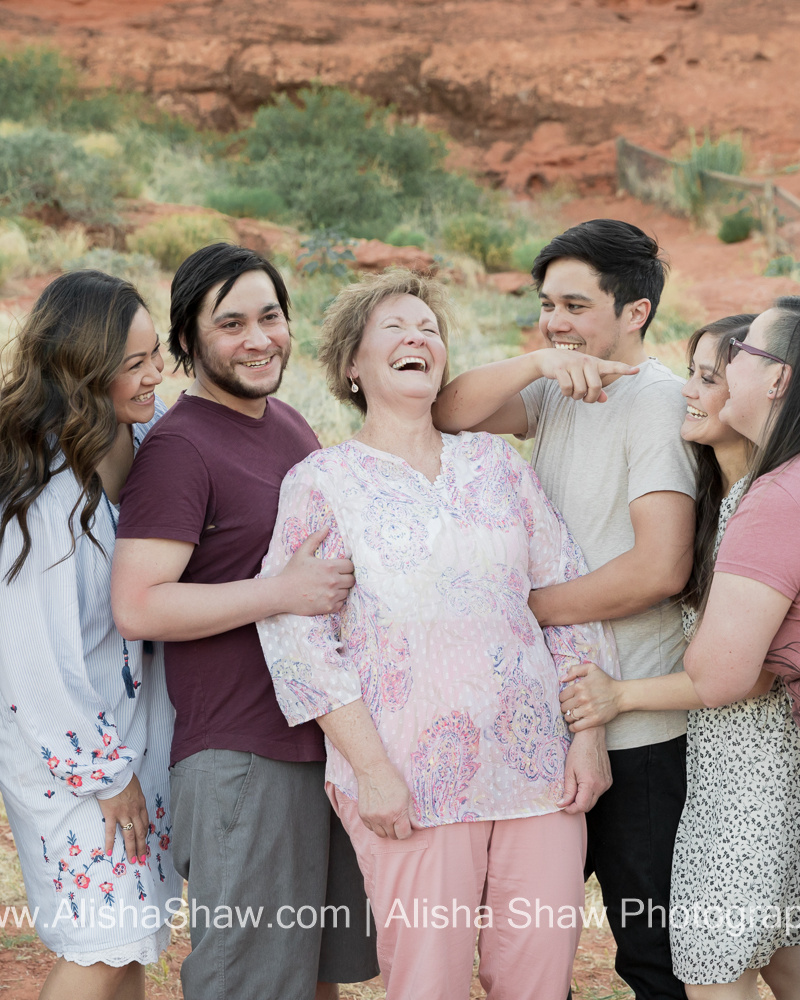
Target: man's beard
x=227, y=380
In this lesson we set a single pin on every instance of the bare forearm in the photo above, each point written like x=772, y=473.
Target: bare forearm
x=473, y=397
x=654, y=694
x=177, y=612
x=624, y=586
x=353, y=733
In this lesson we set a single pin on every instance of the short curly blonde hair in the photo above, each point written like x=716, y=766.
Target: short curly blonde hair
x=347, y=316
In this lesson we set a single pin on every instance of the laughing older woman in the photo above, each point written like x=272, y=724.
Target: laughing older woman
x=448, y=760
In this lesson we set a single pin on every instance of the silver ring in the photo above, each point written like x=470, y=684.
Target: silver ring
x=568, y=713
x=128, y=826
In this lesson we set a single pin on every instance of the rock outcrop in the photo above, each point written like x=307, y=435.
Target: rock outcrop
x=538, y=90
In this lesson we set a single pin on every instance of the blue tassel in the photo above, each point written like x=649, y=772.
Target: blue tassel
x=126, y=673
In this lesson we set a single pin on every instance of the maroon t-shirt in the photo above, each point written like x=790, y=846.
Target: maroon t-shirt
x=208, y=475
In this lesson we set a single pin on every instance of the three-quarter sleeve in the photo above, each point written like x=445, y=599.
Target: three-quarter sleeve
x=43, y=671
x=310, y=675
x=555, y=557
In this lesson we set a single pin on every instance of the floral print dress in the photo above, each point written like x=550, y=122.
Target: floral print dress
x=436, y=636
x=735, y=895
x=81, y=711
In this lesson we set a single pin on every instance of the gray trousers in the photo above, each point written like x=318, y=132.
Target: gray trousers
x=273, y=880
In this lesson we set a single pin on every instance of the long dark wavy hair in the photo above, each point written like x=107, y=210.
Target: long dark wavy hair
x=55, y=410
x=781, y=437
x=710, y=491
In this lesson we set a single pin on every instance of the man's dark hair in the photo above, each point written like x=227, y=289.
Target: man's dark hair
x=200, y=271
x=625, y=259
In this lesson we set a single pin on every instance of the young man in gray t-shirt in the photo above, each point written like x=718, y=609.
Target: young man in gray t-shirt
x=625, y=483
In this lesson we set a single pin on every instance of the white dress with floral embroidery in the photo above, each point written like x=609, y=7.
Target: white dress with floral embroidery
x=436, y=636
x=75, y=727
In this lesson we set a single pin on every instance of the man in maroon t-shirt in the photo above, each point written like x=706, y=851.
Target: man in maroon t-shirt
x=251, y=826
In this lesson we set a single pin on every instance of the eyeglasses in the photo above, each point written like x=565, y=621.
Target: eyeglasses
x=734, y=346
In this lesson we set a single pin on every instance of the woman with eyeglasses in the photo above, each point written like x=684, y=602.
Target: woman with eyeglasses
x=735, y=902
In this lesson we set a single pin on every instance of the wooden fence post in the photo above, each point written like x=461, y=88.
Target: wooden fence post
x=769, y=221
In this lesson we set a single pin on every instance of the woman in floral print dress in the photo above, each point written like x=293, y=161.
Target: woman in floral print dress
x=86, y=722
x=736, y=868
x=448, y=760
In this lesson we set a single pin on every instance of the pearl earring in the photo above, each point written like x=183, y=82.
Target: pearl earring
x=353, y=387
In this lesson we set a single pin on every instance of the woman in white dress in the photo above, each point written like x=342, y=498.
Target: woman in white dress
x=737, y=850
x=86, y=722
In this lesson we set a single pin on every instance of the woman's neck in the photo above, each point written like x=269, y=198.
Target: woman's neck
x=733, y=462
x=114, y=466
x=410, y=437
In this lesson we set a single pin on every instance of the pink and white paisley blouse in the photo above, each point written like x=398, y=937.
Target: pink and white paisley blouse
x=436, y=636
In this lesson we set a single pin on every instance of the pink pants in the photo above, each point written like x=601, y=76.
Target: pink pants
x=517, y=884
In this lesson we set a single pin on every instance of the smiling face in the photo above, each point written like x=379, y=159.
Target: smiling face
x=132, y=390
x=243, y=342
x=752, y=383
x=401, y=356
x=577, y=315
x=706, y=392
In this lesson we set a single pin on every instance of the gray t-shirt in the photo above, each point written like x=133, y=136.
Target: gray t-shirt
x=593, y=461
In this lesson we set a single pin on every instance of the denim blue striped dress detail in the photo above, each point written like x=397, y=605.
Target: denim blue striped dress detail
x=74, y=729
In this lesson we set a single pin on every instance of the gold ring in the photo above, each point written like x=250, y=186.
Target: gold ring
x=128, y=826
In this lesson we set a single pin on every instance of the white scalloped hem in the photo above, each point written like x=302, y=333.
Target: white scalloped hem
x=145, y=951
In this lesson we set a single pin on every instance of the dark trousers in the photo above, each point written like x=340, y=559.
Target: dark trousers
x=631, y=834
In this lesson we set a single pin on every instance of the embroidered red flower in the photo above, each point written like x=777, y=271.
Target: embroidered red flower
x=97, y=775
x=106, y=887
x=164, y=842
x=106, y=739
x=62, y=865
x=58, y=884
x=74, y=780
x=53, y=762
x=70, y=762
x=152, y=828
x=114, y=755
x=119, y=868
x=160, y=812
x=97, y=852
x=82, y=881
x=74, y=851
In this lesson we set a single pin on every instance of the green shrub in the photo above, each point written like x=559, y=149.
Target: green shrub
x=14, y=252
x=170, y=240
x=667, y=326
x=39, y=167
x=245, y=202
x=736, y=227
x=525, y=252
x=406, y=236
x=32, y=82
x=340, y=162
x=694, y=190
x=325, y=252
x=133, y=267
x=94, y=112
x=51, y=248
x=488, y=240
x=780, y=267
